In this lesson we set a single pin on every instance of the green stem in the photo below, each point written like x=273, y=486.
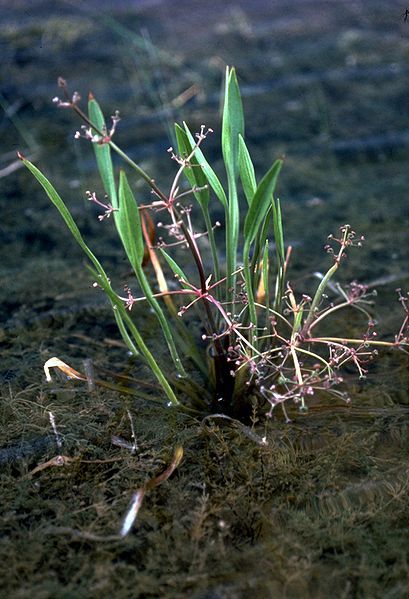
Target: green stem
x=344, y=340
x=318, y=296
x=213, y=247
x=121, y=153
x=146, y=353
x=250, y=293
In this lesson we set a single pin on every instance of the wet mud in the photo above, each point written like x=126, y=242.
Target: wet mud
x=321, y=506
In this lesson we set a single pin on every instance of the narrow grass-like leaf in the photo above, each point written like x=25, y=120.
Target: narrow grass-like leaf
x=103, y=153
x=278, y=230
x=63, y=210
x=102, y=278
x=246, y=171
x=265, y=278
x=183, y=335
x=232, y=125
x=252, y=314
x=127, y=320
x=194, y=173
x=175, y=268
x=261, y=202
x=119, y=321
x=130, y=230
x=197, y=178
x=280, y=251
x=297, y=321
x=129, y=224
x=207, y=169
x=256, y=219
x=259, y=247
x=124, y=333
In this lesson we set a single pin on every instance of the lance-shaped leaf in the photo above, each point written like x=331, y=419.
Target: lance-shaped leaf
x=280, y=251
x=232, y=125
x=265, y=279
x=258, y=246
x=129, y=224
x=175, y=268
x=261, y=202
x=246, y=171
x=103, y=281
x=103, y=152
x=194, y=172
x=198, y=177
x=64, y=212
x=207, y=169
x=278, y=230
x=130, y=230
x=297, y=320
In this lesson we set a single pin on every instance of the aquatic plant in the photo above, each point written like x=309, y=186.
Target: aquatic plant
x=257, y=339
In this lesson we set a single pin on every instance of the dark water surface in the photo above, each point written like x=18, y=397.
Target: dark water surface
x=323, y=508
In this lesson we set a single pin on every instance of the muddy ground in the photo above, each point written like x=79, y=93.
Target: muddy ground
x=322, y=508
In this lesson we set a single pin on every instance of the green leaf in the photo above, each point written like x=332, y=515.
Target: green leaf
x=129, y=223
x=197, y=177
x=184, y=338
x=297, y=320
x=194, y=174
x=232, y=125
x=103, y=281
x=265, y=275
x=175, y=268
x=278, y=230
x=261, y=202
x=246, y=171
x=118, y=318
x=207, y=169
x=258, y=246
x=103, y=153
x=63, y=210
x=280, y=251
x=130, y=231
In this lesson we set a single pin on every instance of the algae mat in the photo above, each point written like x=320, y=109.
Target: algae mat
x=322, y=508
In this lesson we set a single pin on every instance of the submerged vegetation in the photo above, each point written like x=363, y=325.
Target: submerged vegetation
x=315, y=508
x=234, y=317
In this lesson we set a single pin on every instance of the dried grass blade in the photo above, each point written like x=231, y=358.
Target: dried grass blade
x=137, y=498
x=65, y=368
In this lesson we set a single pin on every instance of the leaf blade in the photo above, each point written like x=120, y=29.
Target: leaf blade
x=193, y=173
x=103, y=279
x=232, y=124
x=211, y=176
x=129, y=223
x=103, y=153
x=246, y=171
x=261, y=202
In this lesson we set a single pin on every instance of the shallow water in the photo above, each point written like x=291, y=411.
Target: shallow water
x=323, y=507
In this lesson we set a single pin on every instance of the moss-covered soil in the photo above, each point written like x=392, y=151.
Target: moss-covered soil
x=322, y=508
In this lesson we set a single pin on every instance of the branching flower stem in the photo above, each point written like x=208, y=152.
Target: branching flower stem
x=158, y=192
x=280, y=362
x=341, y=341
x=322, y=286
x=333, y=309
